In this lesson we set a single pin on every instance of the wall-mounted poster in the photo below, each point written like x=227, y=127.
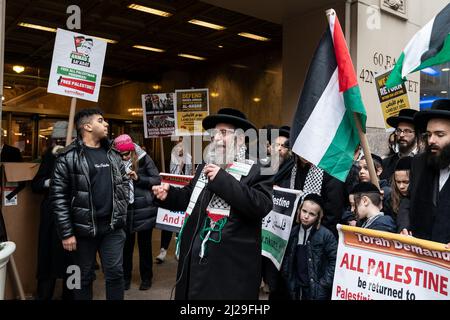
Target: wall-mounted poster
x=159, y=119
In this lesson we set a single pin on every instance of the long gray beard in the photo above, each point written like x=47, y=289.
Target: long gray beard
x=223, y=160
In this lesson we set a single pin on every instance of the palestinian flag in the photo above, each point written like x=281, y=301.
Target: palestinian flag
x=324, y=130
x=429, y=47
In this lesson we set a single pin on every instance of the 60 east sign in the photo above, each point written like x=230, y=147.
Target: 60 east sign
x=387, y=62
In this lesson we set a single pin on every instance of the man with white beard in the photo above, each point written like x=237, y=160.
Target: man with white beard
x=220, y=241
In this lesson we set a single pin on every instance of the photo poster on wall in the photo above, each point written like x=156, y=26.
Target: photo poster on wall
x=158, y=114
x=77, y=65
x=192, y=106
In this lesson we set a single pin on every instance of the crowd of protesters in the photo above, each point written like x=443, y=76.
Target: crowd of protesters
x=101, y=194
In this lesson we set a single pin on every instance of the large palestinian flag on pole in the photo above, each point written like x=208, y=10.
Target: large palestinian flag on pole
x=430, y=46
x=324, y=130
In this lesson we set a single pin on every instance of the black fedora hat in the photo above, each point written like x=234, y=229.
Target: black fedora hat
x=230, y=116
x=405, y=115
x=285, y=131
x=440, y=109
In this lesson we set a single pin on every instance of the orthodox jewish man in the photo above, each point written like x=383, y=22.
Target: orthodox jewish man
x=220, y=241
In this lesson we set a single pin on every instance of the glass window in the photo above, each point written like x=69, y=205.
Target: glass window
x=434, y=84
x=44, y=135
x=22, y=136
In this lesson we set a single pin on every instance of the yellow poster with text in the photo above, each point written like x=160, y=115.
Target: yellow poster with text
x=192, y=106
x=391, y=100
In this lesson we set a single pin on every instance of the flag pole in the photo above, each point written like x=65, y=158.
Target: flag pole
x=73, y=105
x=362, y=135
x=366, y=150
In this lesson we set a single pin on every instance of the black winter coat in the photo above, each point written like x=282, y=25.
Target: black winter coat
x=333, y=192
x=71, y=194
x=419, y=211
x=321, y=250
x=231, y=268
x=52, y=259
x=142, y=213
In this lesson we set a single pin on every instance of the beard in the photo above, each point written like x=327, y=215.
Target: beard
x=221, y=155
x=440, y=161
x=403, y=148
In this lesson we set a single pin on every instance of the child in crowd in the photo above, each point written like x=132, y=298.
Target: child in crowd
x=310, y=259
x=367, y=208
x=400, y=184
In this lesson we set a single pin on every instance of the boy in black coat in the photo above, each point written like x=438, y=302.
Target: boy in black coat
x=310, y=259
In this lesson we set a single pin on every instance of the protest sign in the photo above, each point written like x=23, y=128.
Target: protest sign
x=77, y=65
x=172, y=220
x=159, y=115
x=392, y=100
x=192, y=106
x=277, y=225
x=376, y=265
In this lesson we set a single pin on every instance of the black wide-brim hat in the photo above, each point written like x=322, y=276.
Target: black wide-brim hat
x=285, y=131
x=440, y=109
x=405, y=115
x=230, y=116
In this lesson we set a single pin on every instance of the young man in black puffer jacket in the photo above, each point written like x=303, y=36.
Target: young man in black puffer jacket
x=89, y=193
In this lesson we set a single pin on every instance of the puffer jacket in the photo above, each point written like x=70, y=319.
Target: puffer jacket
x=71, y=194
x=142, y=213
x=321, y=250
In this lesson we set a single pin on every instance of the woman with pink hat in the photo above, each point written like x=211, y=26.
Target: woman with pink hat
x=141, y=217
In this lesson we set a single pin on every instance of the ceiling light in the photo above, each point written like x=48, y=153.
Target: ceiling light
x=156, y=87
x=105, y=39
x=149, y=10
x=19, y=69
x=148, y=48
x=135, y=110
x=446, y=69
x=444, y=92
x=253, y=36
x=36, y=26
x=189, y=56
x=214, y=94
x=220, y=46
x=7, y=87
x=207, y=24
x=256, y=99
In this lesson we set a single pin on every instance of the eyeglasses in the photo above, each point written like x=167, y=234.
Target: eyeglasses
x=399, y=131
x=223, y=132
x=284, y=145
x=125, y=154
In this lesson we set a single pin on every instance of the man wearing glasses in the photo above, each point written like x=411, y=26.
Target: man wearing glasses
x=220, y=241
x=406, y=139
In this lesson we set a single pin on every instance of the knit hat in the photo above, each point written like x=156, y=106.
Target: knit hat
x=124, y=143
x=60, y=130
